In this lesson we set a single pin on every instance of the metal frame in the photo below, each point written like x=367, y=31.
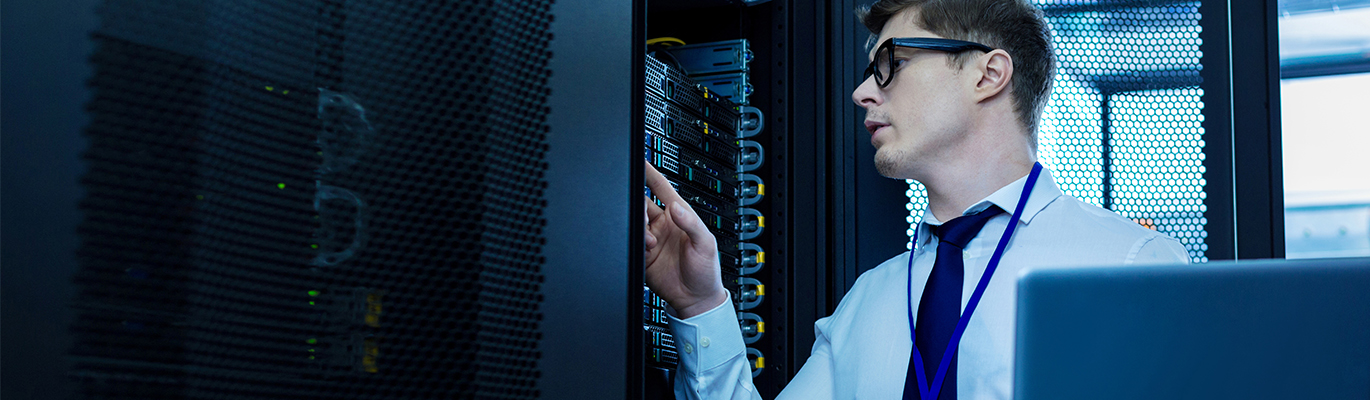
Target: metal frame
x=48, y=66
x=1336, y=68
x=593, y=281
x=802, y=119
x=769, y=32
x=1244, y=162
x=636, y=242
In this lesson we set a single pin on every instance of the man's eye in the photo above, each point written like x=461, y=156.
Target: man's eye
x=899, y=63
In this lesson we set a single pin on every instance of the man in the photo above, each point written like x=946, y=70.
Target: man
x=961, y=117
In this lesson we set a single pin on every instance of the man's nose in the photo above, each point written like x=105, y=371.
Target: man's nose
x=868, y=94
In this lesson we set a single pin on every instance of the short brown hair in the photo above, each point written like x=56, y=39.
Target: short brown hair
x=1012, y=25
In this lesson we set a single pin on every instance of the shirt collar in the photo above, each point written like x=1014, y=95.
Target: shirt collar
x=1045, y=192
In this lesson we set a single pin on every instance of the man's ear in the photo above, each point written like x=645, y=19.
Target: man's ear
x=996, y=73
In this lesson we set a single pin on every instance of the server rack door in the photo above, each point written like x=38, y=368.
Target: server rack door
x=591, y=342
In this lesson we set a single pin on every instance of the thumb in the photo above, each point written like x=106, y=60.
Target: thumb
x=688, y=221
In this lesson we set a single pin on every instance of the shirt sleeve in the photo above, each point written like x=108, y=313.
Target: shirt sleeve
x=713, y=359
x=1158, y=249
x=814, y=380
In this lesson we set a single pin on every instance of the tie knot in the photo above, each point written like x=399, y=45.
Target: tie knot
x=959, y=231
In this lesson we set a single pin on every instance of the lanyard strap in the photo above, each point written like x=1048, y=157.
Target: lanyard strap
x=931, y=392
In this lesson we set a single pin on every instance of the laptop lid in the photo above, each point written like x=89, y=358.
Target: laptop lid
x=1267, y=329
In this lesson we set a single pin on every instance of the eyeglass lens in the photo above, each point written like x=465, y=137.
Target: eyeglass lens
x=883, y=65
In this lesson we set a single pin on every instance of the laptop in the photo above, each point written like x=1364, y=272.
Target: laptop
x=1266, y=329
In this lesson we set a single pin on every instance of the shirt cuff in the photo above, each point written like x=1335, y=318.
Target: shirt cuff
x=707, y=340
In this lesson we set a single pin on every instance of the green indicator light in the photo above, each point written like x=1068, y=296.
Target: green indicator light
x=311, y=303
x=311, y=357
x=268, y=88
x=311, y=341
x=280, y=185
x=313, y=293
x=199, y=197
x=285, y=92
x=313, y=246
x=311, y=350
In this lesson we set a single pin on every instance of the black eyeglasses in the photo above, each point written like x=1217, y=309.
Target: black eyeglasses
x=883, y=64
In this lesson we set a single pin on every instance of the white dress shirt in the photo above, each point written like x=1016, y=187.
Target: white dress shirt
x=862, y=350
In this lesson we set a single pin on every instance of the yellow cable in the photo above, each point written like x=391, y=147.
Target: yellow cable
x=666, y=41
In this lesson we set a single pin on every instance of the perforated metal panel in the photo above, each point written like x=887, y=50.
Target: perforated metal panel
x=324, y=199
x=1122, y=127
x=1157, y=163
x=918, y=201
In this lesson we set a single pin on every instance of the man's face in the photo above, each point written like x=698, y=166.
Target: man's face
x=923, y=110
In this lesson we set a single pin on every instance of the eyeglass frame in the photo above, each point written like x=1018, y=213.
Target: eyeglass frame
x=936, y=44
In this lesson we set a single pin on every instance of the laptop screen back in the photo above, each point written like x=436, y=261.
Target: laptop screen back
x=1269, y=329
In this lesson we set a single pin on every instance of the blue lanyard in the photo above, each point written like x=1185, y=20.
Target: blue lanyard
x=930, y=393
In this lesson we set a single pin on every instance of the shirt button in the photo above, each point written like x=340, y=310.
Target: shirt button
x=689, y=349
x=704, y=342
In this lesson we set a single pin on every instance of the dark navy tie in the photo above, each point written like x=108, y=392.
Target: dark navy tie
x=940, y=307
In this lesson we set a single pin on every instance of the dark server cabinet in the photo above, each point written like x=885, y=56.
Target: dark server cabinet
x=333, y=199
x=591, y=342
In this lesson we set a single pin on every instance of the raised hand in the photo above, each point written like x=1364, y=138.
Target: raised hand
x=682, y=255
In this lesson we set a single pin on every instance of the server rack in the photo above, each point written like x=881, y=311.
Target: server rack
x=719, y=52
x=827, y=212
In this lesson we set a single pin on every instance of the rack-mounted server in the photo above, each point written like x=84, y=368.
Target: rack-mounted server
x=696, y=127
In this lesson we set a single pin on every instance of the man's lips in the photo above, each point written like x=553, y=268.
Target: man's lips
x=874, y=128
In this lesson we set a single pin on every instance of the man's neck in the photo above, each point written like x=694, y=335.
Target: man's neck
x=954, y=185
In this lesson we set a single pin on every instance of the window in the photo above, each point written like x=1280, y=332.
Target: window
x=1325, y=95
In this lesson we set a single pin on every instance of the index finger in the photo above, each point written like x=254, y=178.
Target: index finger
x=652, y=210
x=661, y=187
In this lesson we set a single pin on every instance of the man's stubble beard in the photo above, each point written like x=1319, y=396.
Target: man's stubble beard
x=891, y=162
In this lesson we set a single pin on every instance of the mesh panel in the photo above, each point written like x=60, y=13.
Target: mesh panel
x=1122, y=127
x=918, y=201
x=314, y=200
x=1070, y=138
x=1157, y=155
